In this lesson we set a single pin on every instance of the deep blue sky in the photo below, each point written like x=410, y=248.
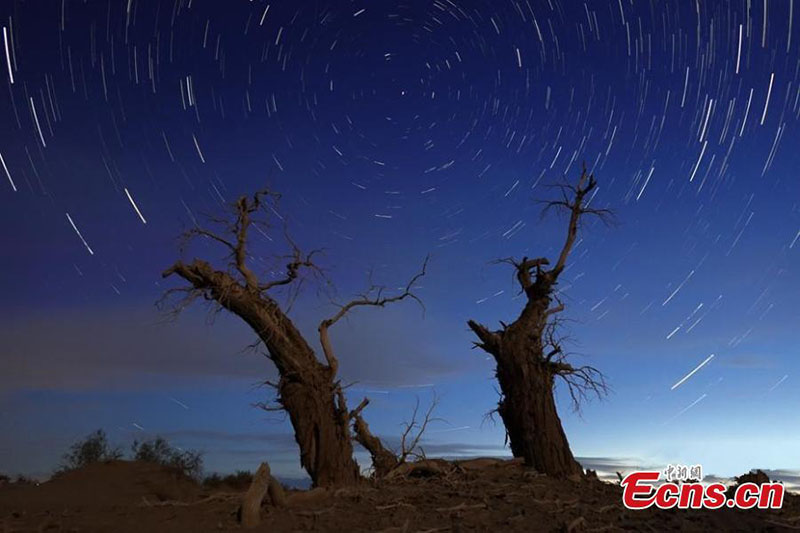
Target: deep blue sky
x=394, y=131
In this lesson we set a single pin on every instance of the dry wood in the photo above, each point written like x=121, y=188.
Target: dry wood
x=463, y=506
x=251, y=503
x=308, y=497
x=529, y=353
x=576, y=524
x=308, y=389
x=394, y=506
x=178, y=503
x=276, y=493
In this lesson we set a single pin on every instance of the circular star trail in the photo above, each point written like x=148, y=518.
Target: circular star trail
x=393, y=130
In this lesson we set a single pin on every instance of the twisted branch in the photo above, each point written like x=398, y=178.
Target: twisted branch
x=365, y=299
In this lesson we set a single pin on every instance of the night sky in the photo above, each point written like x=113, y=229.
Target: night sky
x=394, y=130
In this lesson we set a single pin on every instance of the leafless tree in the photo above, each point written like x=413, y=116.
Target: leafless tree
x=384, y=460
x=308, y=389
x=530, y=355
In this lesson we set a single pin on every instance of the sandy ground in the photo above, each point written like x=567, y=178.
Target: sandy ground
x=479, y=495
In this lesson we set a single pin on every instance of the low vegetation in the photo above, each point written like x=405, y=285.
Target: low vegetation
x=239, y=480
x=19, y=480
x=95, y=448
x=159, y=451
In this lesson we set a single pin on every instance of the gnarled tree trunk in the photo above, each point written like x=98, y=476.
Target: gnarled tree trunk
x=308, y=389
x=529, y=357
x=383, y=460
x=528, y=410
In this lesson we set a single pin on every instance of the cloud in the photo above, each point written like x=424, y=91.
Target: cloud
x=396, y=346
x=134, y=348
x=118, y=349
x=278, y=441
x=452, y=450
x=790, y=478
x=285, y=441
x=607, y=467
x=749, y=361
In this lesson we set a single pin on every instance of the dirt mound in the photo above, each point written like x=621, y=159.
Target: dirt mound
x=113, y=483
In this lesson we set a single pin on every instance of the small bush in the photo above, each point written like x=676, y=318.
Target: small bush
x=159, y=451
x=213, y=481
x=19, y=480
x=94, y=448
x=240, y=480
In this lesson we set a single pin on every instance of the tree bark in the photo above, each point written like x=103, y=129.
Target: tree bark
x=306, y=389
x=383, y=460
x=251, y=502
x=529, y=413
x=526, y=380
x=529, y=357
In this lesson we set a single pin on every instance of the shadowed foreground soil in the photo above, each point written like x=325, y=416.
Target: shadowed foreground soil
x=476, y=495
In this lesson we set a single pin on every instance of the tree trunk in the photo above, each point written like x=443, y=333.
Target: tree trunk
x=306, y=390
x=326, y=449
x=526, y=379
x=524, y=371
x=533, y=425
x=383, y=461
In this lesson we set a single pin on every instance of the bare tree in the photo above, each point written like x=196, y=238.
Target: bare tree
x=384, y=460
x=308, y=389
x=529, y=353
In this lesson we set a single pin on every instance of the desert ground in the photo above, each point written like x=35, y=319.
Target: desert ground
x=472, y=495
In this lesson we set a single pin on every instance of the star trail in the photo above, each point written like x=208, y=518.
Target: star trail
x=393, y=130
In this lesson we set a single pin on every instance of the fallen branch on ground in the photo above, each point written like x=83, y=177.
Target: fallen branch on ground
x=178, y=503
x=395, y=505
x=461, y=507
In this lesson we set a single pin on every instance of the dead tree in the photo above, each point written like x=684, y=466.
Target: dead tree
x=308, y=389
x=529, y=354
x=384, y=460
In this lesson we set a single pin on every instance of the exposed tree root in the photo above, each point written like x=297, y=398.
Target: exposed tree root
x=461, y=507
x=395, y=506
x=782, y=524
x=426, y=467
x=177, y=503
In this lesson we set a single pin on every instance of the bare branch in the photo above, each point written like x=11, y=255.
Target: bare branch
x=199, y=232
x=266, y=406
x=357, y=411
x=573, y=201
x=378, y=301
x=524, y=269
x=557, y=309
x=244, y=209
x=582, y=382
x=409, y=441
x=383, y=460
x=553, y=340
x=293, y=267
x=490, y=340
x=171, y=306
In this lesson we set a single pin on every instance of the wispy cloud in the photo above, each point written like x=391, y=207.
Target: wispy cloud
x=127, y=348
